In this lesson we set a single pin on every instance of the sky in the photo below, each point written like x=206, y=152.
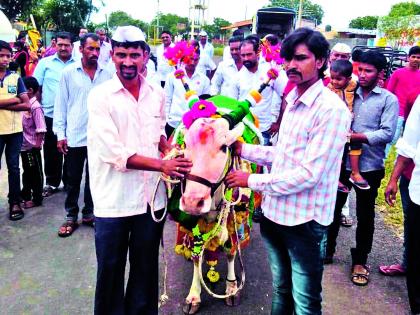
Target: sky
x=337, y=13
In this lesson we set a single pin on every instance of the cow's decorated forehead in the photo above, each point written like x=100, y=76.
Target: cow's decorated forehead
x=200, y=109
x=201, y=132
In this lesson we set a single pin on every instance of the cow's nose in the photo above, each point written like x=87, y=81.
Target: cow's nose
x=192, y=204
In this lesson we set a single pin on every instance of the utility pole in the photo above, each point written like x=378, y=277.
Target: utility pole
x=157, y=22
x=299, y=21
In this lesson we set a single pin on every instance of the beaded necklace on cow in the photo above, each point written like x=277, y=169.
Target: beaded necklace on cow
x=220, y=230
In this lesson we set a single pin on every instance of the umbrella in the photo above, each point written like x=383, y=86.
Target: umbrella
x=6, y=31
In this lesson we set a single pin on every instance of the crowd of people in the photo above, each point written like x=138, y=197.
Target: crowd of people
x=107, y=109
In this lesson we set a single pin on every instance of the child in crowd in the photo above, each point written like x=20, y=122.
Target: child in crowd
x=13, y=100
x=34, y=130
x=342, y=84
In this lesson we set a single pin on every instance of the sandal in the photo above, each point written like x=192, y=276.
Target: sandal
x=89, y=221
x=49, y=190
x=30, y=204
x=67, y=228
x=16, y=213
x=361, y=184
x=342, y=188
x=392, y=270
x=360, y=275
x=346, y=221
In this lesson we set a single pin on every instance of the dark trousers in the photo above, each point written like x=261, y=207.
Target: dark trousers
x=139, y=235
x=413, y=256
x=76, y=160
x=53, y=159
x=365, y=212
x=32, y=176
x=296, y=256
x=169, y=130
x=405, y=202
x=12, y=144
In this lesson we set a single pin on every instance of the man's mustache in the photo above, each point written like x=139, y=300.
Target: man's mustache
x=293, y=71
x=129, y=67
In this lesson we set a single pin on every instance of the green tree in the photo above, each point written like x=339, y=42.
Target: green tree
x=121, y=18
x=214, y=30
x=404, y=9
x=169, y=22
x=365, y=22
x=63, y=15
x=311, y=10
x=14, y=9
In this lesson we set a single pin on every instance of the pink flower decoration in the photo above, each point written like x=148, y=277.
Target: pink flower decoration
x=272, y=74
x=181, y=52
x=179, y=74
x=271, y=53
x=200, y=109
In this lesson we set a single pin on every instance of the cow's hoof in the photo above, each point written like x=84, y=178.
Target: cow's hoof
x=233, y=300
x=191, y=308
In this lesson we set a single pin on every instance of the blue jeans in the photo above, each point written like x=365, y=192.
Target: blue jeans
x=140, y=236
x=405, y=201
x=296, y=256
x=267, y=137
x=13, y=144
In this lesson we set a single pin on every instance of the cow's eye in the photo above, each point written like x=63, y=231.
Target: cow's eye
x=223, y=148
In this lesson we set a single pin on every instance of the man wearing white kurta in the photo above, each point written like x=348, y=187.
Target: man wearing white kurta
x=176, y=105
x=126, y=120
x=251, y=76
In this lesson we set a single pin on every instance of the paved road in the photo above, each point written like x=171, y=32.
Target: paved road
x=43, y=274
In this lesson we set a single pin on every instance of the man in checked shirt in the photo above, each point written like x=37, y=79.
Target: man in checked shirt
x=301, y=188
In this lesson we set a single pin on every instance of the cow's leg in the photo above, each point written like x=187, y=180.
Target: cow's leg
x=193, y=300
x=231, y=283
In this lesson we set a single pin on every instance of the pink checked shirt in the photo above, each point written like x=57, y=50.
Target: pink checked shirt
x=119, y=126
x=302, y=184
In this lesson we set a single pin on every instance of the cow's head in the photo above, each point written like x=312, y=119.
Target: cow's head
x=206, y=144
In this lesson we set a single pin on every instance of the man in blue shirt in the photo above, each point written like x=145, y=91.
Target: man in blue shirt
x=70, y=126
x=375, y=118
x=48, y=73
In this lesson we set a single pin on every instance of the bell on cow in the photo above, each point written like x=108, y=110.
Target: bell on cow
x=213, y=275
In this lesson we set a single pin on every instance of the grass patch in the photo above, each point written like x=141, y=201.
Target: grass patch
x=393, y=216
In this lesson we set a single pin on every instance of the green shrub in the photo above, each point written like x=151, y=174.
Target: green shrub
x=218, y=51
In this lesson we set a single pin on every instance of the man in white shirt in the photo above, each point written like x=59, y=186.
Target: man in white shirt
x=125, y=135
x=408, y=149
x=227, y=71
x=251, y=76
x=105, y=55
x=226, y=51
x=205, y=47
x=175, y=104
x=70, y=125
x=163, y=68
x=76, y=45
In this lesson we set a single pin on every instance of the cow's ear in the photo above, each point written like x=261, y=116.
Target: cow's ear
x=234, y=134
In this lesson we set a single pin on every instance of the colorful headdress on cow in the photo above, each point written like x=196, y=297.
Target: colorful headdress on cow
x=182, y=53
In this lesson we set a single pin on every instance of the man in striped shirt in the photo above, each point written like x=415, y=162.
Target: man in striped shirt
x=70, y=126
x=301, y=188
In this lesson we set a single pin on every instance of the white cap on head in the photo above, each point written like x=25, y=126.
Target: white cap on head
x=128, y=34
x=342, y=48
x=203, y=33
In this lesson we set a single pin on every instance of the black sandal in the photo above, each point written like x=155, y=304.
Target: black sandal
x=16, y=213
